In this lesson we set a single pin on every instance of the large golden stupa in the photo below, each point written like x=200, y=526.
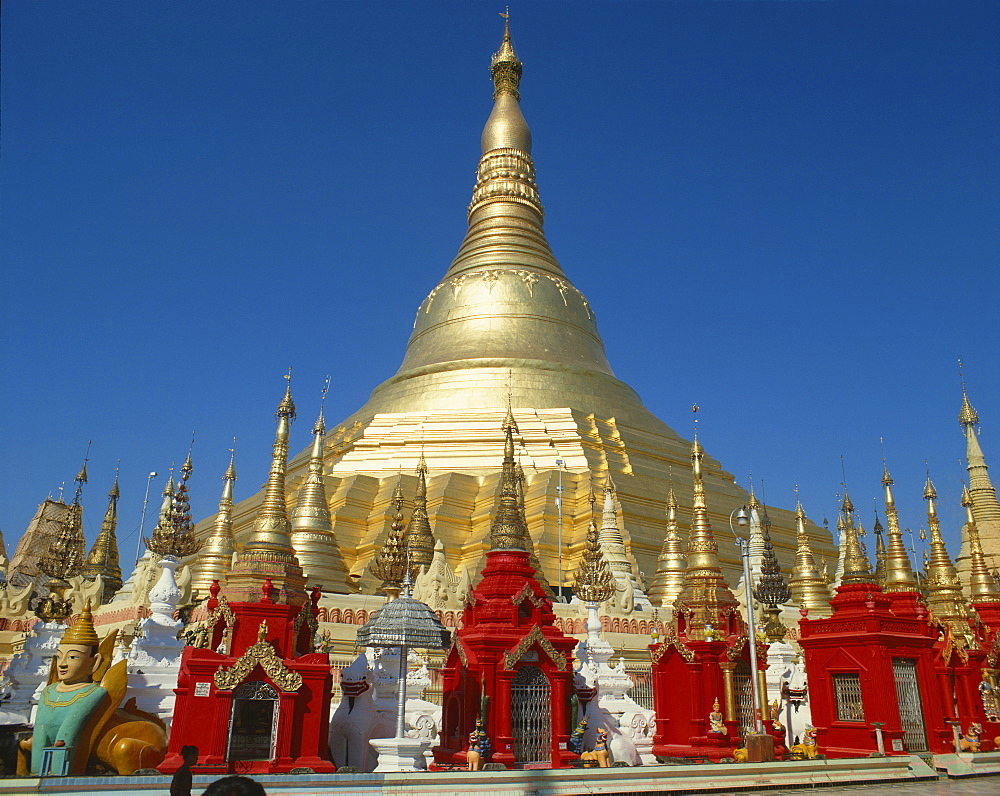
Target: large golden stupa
x=505, y=327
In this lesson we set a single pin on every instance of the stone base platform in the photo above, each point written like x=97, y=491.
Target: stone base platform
x=563, y=782
x=968, y=764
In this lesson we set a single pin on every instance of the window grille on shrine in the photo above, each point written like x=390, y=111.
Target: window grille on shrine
x=847, y=692
x=744, y=698
x=531, y=716
x=911, y=710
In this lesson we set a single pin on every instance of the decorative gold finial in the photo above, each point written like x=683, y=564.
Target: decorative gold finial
x=505, y=66
x=594, y=581
x=967, y=416
x=899, y=575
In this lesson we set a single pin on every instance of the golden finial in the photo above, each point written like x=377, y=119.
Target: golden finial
x=82, y=632
x=419, y=540
x=857, y=568
x=967, y=415
x=594, y=581
x=390, y=562
x=505, y=66
x=103, y=556
x=231, y=469
x=807, y=584
x=899, y=575
x=287, y=407
x=320, y=426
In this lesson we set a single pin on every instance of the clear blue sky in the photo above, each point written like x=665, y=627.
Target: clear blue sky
x=785, y=211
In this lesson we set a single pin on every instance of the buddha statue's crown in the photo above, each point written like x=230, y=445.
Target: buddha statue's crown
x=82, y=632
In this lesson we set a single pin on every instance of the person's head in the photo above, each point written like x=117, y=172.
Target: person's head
x=75, y=663
x=189, y=754
x=235, y=786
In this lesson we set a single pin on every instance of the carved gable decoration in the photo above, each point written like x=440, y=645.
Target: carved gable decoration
x=222, y=612
x=535, y=636
x=526, y=593
x=460, y=649
x=671, y=640
x=305, y=616
x=263, y=653
x=954, y=644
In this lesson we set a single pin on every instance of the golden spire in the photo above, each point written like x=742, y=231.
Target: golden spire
x=509, y=528
x=505, y=66
x=880, y=552
x=389, y=563
x=944, y=589
x=807, y=585
x=529, y=543
x=65, y=556
x=671, y=565
x=898, y=569
x=312, y=537
x=771, y=588
x=594, y=581
x=857, y=568
x=706, y=594
x=419, y=539
x=982, y=587
x=985, y=507
x=103, y=557
x=216, y=556
x=268, y=551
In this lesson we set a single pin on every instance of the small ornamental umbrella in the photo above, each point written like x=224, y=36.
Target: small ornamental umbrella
x=404, y=623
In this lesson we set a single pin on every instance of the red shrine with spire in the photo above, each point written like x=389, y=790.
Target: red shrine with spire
x=509, y=667
x=254, y=697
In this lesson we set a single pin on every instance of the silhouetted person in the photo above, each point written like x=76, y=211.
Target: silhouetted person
x=235, y=786
x=180, y=785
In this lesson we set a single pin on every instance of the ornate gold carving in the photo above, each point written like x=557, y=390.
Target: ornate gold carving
x=460, y=649
x=222, y=611
x=527, y=593
x=535, y=636
x=263, y=653
x=305, y=616
x=671, y=639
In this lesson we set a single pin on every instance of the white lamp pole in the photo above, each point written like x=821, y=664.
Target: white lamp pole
x=743, y=519
x=142, y=520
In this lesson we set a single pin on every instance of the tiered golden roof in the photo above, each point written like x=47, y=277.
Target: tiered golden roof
x=268, y=552
x=899, y=575
x=215, y=559
x=944, y=589
x=594, y=581
x=176, y=538
x=508, y=529
x=312, y=536
x=103, y=556
x=419, y=537
x=65, y=557
x=808, y=587
x=672, y=563
x=389, y=564
x=982, y=586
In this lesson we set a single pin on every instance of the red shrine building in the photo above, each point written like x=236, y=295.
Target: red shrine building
x=886, y=676
x=509, y=667
x=256, y=698
x=702, y=689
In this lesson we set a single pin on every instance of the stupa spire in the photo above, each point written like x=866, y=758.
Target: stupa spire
x=176, y=537
x=268, y=551
x=529, y=543
x=389, y=563
x=216, y=555
x=594, y=581
x=103, y=556
x=509, y=528
x=671, y=565
x=419, y=539
x=857, y=568
x=982, y=586
x=312, y=537
x=880, y=551
x=899, y=575
x=944, y=589
x=807, y=585
x=985, y=507
x=706, y=596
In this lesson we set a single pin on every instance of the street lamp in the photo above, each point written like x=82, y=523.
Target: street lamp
x=559, y=491
x=142, y=520
x=743, y=520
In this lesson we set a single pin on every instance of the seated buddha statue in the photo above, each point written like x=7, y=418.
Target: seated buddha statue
x=66, y=706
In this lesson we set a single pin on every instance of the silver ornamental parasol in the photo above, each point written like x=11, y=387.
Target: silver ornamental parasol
x=404, y=622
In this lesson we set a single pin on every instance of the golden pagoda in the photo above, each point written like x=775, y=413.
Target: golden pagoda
x=215, y=558
x=899, y=575
x=505, y=322
x=671, y=565
x=808, y=587
x=985, y=506
x=944, y=589
x=268, y=551
x=103, y=556
x=982, y=586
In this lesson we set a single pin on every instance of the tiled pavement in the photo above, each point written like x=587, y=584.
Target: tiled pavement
x=972, y=786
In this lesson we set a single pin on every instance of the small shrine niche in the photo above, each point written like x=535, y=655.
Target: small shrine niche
x=253, y=725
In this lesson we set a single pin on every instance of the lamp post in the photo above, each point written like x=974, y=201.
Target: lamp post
x=559, y=492
x=142, y=520
x=743, y=520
